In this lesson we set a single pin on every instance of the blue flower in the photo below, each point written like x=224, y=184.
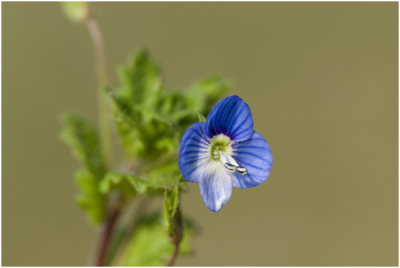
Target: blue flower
x=224, y=152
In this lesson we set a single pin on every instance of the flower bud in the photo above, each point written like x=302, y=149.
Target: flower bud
x=76, y=11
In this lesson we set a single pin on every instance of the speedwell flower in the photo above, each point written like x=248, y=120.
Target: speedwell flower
x=223, y=152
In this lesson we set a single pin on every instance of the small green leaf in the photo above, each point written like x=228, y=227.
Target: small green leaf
x=89, y=198
x=137, y=113
x=201, y=117
x=166, y=176
x=132, y=144
x=202, y=95
x=129, y=185
x=150, y=245
x=83, y=138
x=120, y=235
x=142, y=80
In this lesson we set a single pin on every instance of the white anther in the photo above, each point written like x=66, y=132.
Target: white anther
x=242, y=171
x=231, y=164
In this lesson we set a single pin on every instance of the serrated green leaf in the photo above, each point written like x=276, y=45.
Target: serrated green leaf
x=127, y=184
x=202, y=95
x=150, y=245
x=89, y=198
x=142, y=79
x=166, y=176
x=82, y=136
x=133, y=146
x=121, y=182
x=201, y=117
x=137, y=116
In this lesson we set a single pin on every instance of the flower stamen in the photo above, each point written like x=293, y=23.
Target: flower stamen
x=231, y=164
x=241, y=171
x=221, y=150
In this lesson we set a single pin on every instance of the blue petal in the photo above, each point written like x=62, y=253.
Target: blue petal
x=230, y=116
x=193, y=152
x=254, y=155
x=215, y=186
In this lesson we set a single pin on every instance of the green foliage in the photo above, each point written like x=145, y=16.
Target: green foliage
x=142, y=81
x=166, y=176
x=128, y=185
x=81, y=135
x=135, y=106
x=202, y=95
x=201, y=117
x=150, y=245
x=150, y=121
x=89, y=198
x=83, y=138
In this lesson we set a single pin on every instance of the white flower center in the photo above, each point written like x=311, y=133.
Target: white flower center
x=221, y=150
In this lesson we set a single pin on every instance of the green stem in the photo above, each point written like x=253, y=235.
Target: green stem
x=102, y=102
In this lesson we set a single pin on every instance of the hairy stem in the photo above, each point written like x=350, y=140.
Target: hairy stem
x=105, y=134
x=105, y=236
x=176, y=236
x=102, y=103
x=174, y=255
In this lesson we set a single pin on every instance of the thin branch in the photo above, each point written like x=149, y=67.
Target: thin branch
x=105, y=236
x=97, y=38
x=105, y=133
x=177, y=235
x=102, y=104
x=174, y=255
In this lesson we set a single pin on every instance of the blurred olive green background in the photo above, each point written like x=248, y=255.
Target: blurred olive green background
x=320, y=78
